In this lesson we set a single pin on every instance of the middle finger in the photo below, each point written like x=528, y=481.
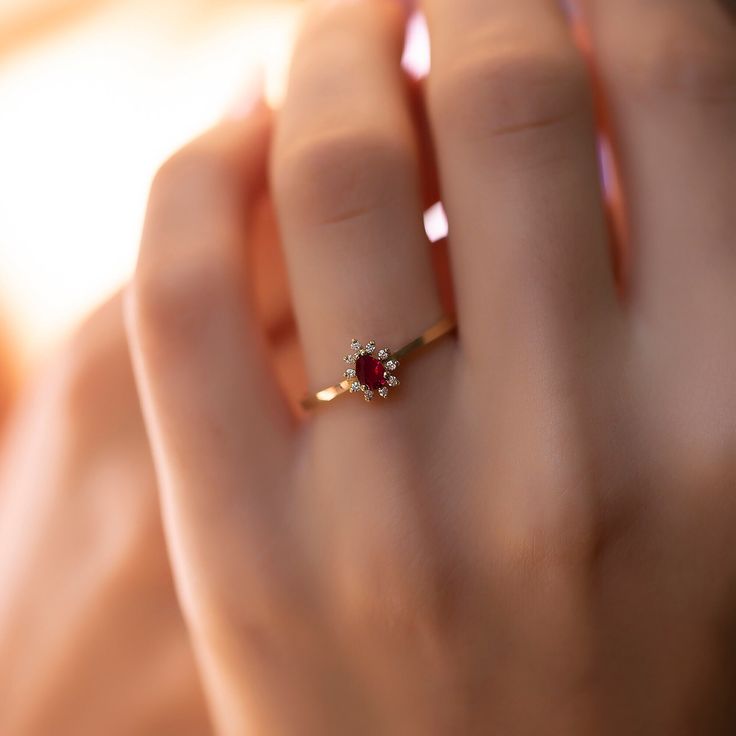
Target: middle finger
x=513, y=118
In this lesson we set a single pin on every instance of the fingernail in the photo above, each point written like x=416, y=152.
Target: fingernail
x=250, y=95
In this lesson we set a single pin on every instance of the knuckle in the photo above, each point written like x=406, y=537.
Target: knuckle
x=192, y=169
x=395, y=593
x=678, y=59
x=546, y=547
x=190, y=261
x=341, y=175
x=510, y=90
x=560, y=532
x=258, y=613
x=177, y=302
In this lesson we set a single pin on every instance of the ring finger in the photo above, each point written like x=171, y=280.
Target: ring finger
x=346, y=184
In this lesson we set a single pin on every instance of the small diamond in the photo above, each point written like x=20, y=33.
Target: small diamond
x=383, y=392
x=350, y=373
x=392, y=381
x=370, y=347
x=349, y=359
x=368, y=395
x=392, y=365
x=355, y=387
x=383, y=353
x=355, y=345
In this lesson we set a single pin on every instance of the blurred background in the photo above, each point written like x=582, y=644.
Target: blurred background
x=94, y=95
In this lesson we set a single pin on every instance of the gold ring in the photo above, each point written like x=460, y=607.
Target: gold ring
x=369, y=375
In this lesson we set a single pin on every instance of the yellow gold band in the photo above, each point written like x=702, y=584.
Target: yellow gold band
x=444, y=327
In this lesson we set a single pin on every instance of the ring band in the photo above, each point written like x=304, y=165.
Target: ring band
x=371, y=375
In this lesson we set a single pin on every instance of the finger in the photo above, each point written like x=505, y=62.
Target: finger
x=346, y=177
x=219, y=426
x=668, y=71
x=80, y=534
x=513, y=122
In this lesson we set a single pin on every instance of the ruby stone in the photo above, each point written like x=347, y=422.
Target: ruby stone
x=369, y=372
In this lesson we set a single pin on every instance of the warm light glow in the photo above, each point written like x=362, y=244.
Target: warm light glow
x=90, y=109
x=88, y=114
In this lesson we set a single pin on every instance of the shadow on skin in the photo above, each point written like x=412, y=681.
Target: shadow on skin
x=730, y=7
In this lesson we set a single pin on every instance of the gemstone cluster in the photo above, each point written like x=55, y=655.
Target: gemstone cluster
x=371, y=371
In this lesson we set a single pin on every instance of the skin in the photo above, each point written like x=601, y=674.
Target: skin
x=534, y=533
x=6, y=378
x=91, y=637
x=730, y=6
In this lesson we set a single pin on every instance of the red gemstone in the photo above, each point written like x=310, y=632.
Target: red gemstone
x=369, y=372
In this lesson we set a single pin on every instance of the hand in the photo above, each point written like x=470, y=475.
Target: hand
x=91, y=637
x=533, y=534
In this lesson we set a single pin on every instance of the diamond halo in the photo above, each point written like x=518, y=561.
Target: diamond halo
x=371, y=371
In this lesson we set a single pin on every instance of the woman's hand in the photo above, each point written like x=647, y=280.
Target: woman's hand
x=534, y=533
x=91, y=637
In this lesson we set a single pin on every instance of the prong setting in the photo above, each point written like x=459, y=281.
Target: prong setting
x=371, y=370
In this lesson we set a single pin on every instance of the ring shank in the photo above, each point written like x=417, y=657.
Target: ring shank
x=444, y=327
